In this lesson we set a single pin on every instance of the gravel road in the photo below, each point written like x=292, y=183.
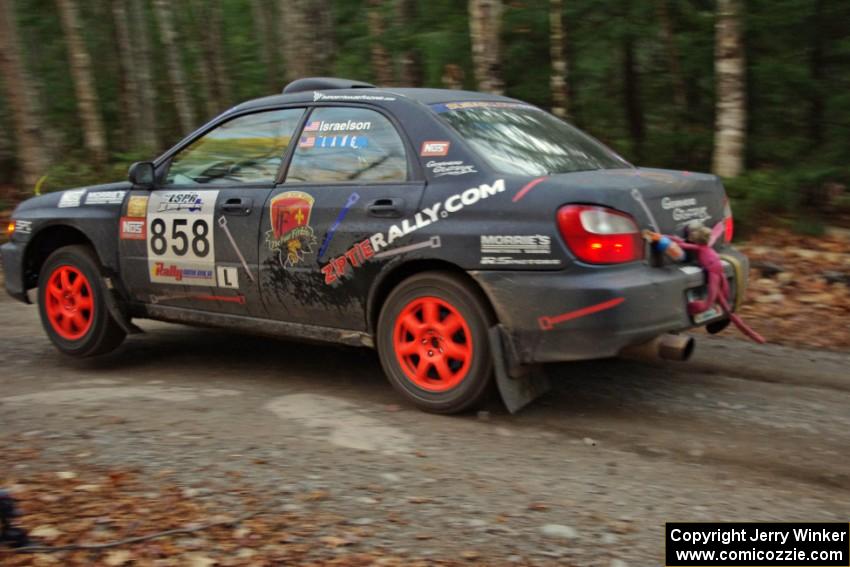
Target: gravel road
x=586, y=476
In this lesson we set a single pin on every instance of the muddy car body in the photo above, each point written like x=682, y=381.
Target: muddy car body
x=456, y=232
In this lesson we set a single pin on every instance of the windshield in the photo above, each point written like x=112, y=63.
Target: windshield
x=522, y=139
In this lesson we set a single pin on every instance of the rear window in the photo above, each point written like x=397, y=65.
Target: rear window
x=522, y=139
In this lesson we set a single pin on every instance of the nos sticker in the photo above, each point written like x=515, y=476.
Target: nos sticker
x=180, y=239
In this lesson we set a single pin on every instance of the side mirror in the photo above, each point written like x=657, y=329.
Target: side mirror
x=142, y=174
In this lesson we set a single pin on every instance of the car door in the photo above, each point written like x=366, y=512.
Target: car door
x=349, y=177
x=192, y=242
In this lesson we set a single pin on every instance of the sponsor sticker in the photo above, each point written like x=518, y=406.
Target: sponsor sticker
x=227, y=277
x=685, y=209
x=516, y=244
x=71, y=198
x=317, y=96
x=23, y=227
x=132, y=228
x=376, y=245
x=344, y=141
x=434, y=149
x=511, y=261
x=464, y=105
x=438, y=210
x=105, y=197
x=505, y=248
x=182, y=201
x=291, y=235
x=180, y=237
x=163, y=272
x=348, y=126
x=354, y=257
x=137, y=206
x=441, y=168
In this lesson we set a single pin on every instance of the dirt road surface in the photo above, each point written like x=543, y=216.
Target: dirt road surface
x=586, y=476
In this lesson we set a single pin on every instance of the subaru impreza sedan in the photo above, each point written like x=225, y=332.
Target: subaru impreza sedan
x=463, y=235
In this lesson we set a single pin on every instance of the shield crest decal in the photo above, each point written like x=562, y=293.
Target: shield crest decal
x=291, y=234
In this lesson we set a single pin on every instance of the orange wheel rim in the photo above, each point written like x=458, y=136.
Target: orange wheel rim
x=433, y=344
x=68, y=302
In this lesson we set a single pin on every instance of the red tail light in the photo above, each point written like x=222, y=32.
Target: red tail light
x=728, y=222
x=599, y=235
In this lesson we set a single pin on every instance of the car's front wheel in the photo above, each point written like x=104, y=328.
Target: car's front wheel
x=432, y=340
x=72, y=303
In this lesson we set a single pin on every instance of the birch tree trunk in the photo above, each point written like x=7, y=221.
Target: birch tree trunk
x=146, y=136
x=485, y=26
x=176, y=75
x=199, y=15
x=299, y=61
x=94, y=138
x=410, y=60
x=20, y=95
x=131, y=116
x=631, y=96
x=320, y=12
x=382, y=68
x=817, y=105
x=215, y=40
x=263, y=30
x=307, y=37
x=560, y=64
x=730, y=86
x=662, y=11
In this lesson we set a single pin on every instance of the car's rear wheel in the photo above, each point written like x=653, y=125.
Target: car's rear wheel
x=432, y=340
x=72, y=303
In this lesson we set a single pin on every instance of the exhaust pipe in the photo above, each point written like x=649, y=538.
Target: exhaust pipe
x=665, y=347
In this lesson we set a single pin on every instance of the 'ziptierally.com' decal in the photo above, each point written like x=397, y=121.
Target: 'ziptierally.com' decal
x=375, y=245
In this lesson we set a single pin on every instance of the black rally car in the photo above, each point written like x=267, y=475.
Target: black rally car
x=459, y=233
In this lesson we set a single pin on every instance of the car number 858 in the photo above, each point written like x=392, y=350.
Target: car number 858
x=181, y=237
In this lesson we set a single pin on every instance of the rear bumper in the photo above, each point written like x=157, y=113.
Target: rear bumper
x=593, y=312
x=13, y=262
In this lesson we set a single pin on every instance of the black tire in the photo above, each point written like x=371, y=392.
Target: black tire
x=451, y=292
x=103, y=333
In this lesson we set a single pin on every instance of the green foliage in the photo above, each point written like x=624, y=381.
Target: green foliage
x=802, y=195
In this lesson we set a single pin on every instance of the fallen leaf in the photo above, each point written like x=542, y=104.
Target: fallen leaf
x=334, y=541
x=117, y=557
x=199, y=560
x=46, y=532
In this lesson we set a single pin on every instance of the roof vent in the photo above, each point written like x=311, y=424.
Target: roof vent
x=322, y=84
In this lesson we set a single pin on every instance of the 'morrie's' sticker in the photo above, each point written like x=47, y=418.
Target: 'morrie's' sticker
x=434, y=149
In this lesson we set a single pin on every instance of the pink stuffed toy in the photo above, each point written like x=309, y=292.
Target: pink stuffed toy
x=700, y=242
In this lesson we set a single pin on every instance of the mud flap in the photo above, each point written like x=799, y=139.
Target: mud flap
x=520, y=391
x=115, y=310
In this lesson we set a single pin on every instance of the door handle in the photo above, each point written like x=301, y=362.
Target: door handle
x=386, y=208
x=237, y=206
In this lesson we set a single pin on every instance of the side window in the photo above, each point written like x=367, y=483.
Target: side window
x=348, y=144
x=247, y=149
